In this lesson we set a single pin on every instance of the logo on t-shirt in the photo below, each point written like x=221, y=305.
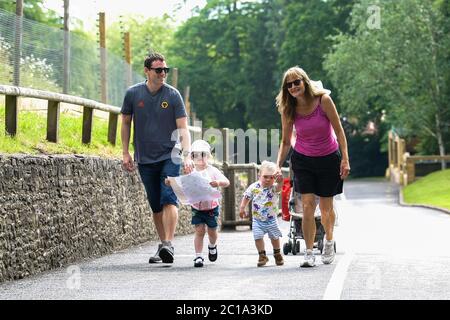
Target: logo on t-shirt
x=141, y=104
x=164, y=104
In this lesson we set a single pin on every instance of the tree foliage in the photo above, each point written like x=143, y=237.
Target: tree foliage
x=397, y=72
x=34, y=10
x=233, y=53
x=152, y=34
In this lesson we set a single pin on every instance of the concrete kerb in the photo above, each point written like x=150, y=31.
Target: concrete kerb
x=403, y=203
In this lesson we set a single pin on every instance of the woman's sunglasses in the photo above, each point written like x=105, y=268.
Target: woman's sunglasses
x=295, y=83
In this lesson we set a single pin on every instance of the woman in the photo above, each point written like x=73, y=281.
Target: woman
x=320, y=156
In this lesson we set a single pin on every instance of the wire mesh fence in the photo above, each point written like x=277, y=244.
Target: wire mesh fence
x=41, y=65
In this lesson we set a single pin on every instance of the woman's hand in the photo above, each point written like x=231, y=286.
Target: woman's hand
x=345, y=169
x=278, y=175
x=279, y=178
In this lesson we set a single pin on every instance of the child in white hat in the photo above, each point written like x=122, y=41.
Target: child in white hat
x=205, y=214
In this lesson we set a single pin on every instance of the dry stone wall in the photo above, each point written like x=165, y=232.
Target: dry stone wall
x=55, y=210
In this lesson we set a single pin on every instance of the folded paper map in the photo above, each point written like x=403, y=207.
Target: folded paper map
x=193, y=188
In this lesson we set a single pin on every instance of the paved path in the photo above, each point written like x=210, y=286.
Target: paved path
x=384, y=251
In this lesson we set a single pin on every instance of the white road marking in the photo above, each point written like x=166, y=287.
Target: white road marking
x=336, y=284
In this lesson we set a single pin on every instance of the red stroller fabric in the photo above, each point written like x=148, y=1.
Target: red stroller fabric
x=285, y=195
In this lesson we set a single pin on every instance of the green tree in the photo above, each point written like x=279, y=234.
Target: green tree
x=396, y=70
x=84, y=65
x=307, y=27
x=34, y=10
x=153, y=34
x=228, y=56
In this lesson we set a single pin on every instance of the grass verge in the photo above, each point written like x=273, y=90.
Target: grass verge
x=31, y=136
x=433, y=189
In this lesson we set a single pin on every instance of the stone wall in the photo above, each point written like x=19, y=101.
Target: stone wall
x=55, y=210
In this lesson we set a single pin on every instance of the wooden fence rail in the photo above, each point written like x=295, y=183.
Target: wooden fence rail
x=230, y=218
x=12, y=94
x=402, y=165
x=54, y=100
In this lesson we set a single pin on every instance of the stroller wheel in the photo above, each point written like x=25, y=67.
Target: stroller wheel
x=320, y=245
x=295, y=247
x=286, y=248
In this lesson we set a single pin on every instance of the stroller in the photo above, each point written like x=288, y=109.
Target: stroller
x=292, y=211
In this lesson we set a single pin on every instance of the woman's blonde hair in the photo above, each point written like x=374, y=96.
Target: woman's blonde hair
x=285, y=102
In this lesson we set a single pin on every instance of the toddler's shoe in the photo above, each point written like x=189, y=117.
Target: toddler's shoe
x=212, y=253
x=263, y=259
x=278, y=259
x=198, y=262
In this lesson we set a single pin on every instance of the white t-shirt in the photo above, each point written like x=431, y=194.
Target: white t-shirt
x=211, y=173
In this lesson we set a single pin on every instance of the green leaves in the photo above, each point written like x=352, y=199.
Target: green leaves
x=233, y=53
x=399, y=68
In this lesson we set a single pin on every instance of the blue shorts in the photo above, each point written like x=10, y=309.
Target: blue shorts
x=153, y=175
x=208, y=217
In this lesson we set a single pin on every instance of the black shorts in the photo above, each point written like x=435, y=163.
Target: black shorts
x=318, y=175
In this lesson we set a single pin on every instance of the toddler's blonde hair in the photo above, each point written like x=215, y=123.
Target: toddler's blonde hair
x=269, y=166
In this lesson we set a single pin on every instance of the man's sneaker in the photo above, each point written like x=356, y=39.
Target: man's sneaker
x=212, y=253
x=309, y=260
x=156, y=258
x=262, y=260
x=328, y=252
x=166, y=254
x=198, y=262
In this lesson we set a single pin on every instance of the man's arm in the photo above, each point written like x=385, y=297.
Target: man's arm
x=125, y=133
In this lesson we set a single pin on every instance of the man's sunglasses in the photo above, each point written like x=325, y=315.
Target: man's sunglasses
x=159, y=70
x=295, y=83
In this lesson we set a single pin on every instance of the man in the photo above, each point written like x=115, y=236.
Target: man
x=158, y=113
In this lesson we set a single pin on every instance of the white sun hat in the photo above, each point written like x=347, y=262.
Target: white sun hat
x=319, y=85
x=201, y=146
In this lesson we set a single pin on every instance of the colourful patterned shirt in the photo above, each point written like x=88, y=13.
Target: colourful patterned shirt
x=264, y=201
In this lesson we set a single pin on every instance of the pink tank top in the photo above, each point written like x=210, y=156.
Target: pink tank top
x=315, y=135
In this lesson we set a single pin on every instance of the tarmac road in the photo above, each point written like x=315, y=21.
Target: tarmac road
x=384, y=251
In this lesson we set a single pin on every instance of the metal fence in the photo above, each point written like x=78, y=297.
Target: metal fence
x=41, y=61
